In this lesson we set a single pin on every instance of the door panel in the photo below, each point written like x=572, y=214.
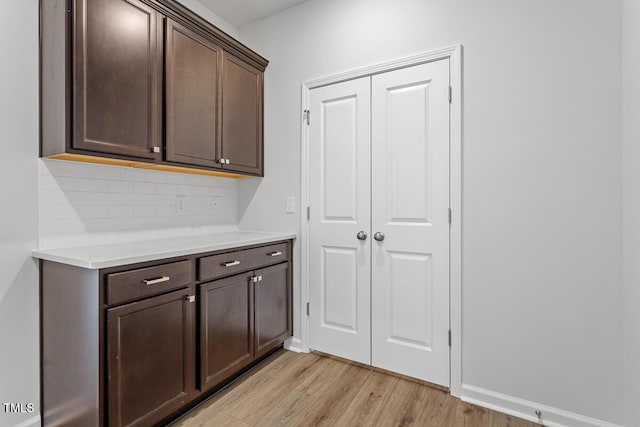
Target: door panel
x=407, y=152
x=339, y=293
x=193, y=65
x=339, y=189
x=272, y=308
x=409, y=303
x=241, y=116
x=410, y=201
x=118, y=78
x=226, y=328
x=150, y=358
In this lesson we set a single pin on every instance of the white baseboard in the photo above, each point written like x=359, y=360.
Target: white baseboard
x=525, y=409
x=31, y=422
x=294, y=344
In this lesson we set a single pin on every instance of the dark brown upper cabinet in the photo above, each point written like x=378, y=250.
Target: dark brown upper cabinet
x=117, y=78
x=193, y=65
x=134, y=82
x=242, y=100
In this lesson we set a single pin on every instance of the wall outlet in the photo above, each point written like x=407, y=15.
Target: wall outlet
x=213, y=204
x=290, y=204
x=181, y=204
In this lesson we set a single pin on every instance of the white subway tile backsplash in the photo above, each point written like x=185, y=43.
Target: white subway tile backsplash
x=107, y=172
x=107, y=199
x=72, y=225
x=102, y=224
x=80, y=198
x=49, y=226
x=167, y=188
x=84, y=204
x=156, y=199
x=157, y=177
x=120, y=186
x=144, y=188
x=51, y=197
x=118, y=211
x=133, y=175
x=91, y=212
x=165, y=211
x=176, y=178
x=144, y=211
x=50, y=168
x=77, y=170
x=92, y=185
x=66, y=183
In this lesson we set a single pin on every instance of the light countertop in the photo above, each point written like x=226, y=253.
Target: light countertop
x=115, y=254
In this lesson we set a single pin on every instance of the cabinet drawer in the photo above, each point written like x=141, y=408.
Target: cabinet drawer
x=247, y=259
x=133, y=284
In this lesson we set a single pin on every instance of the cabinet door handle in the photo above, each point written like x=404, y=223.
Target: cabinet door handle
x=277, y=253
x=156, y=281
x=230, y=263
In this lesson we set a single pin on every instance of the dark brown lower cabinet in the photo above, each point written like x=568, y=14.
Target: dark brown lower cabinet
x=242, y=318
x=139, y=344
x=151, y=358
x=226, y=328
x=272, y=308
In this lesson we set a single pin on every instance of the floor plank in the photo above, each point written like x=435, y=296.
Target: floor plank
x=291, y=389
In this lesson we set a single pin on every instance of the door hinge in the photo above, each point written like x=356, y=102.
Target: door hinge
x=307, y=309
x=450, y=94
x=449, y=337
x=307, y=116
x=449, y=216
x=308, y=212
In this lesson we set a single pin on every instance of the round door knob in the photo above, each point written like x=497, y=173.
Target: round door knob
x=362, y=235
x=379, y=236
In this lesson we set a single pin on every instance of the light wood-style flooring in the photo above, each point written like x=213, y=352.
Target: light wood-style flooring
x=290, y=389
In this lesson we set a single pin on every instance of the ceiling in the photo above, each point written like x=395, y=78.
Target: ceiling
x=242, y=12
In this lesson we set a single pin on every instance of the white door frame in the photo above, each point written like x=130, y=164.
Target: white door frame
x=454, y=54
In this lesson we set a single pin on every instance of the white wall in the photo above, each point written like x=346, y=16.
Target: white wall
x=211, y=16
x=19, y=348
x=541, y=174
x=631, y=210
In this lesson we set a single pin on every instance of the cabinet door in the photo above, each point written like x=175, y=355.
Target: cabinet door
x=226, y=328
x=150, y=358
x=241, y=116
x=117, y=78
x=272, y=308
x=193, y=65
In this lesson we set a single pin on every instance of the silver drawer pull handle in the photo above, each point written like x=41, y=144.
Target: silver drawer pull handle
x=230, y=263
x=275, y=253
x=155, y=281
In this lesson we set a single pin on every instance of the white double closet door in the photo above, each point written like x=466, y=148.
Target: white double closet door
x=379, y=166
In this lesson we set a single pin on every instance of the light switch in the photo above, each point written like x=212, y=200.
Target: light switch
x=291, y=204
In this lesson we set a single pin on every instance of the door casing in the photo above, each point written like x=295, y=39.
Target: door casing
x=454, y=54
